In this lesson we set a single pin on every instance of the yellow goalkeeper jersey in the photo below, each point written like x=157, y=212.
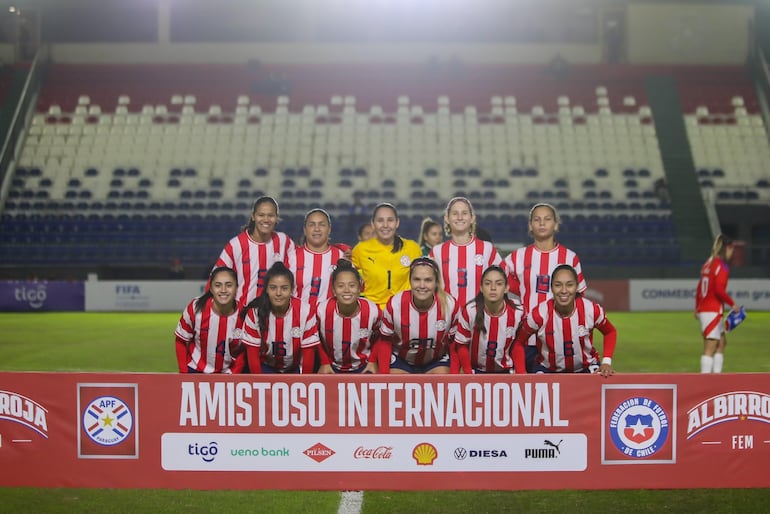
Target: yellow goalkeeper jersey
x=384, y=273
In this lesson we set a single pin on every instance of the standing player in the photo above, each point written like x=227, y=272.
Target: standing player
x=430, y=235
x=463, y=258
x=256, y=248
x=208, y=326
x=280, y=332
x=384, y=259
x=419, y=323
x=486, y=327
x=317, y=258
x=348, y=325
x=564, y=328
x=530, y=267
x=710, y=299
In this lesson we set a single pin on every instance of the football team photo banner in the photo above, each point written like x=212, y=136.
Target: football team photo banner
x=636, y=431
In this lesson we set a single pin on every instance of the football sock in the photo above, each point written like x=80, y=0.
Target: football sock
x=719, y=359
x=706, y=363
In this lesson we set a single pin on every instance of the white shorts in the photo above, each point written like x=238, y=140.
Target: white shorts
x=711, y=325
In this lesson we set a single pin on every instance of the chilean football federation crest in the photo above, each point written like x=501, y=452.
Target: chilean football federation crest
x=108, y=421
x=638, y=424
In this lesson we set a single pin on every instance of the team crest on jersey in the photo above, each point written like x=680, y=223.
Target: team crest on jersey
x=405, y=260
x=440, y=324
x=510, y=332
x=478, y=259
x=582, y=331
x=237, y=335
x=277, y=258
x=364, y=332
x=332, y=268
x=296, y=332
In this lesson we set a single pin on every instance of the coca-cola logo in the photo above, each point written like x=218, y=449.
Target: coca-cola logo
x=381, y=452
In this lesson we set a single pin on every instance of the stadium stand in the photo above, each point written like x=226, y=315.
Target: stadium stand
x=139, y=164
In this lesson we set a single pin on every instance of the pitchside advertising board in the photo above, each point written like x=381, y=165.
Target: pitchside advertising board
x=384, y=432
x=679, y=295
x=41, y=295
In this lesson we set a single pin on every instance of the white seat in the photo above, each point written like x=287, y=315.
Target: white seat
x=124, y=100
x=177, y=99
x=84, y=100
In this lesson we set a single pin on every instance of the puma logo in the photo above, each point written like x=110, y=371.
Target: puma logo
x=552, y=445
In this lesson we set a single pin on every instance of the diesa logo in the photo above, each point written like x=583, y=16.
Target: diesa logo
x=207, y=452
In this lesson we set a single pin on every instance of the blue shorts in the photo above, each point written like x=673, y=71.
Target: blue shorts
x=539, y=368
x=268, y=370
x=399, y=363
x=359, y=370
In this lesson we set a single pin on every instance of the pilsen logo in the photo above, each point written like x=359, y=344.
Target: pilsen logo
x=319, y=453
x=381, y=452
x=19, y=408
x=734, y=406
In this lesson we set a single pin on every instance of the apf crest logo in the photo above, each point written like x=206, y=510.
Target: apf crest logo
x=108, y=421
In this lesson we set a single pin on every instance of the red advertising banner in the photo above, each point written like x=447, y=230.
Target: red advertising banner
x=384, y=432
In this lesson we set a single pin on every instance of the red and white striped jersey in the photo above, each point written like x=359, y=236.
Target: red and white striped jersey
x=711, y=295
x=462, y=266
x=348, y=340
x=566, y=344
x=281, y=347
x=419, y=338
x=313, y=271
x=490, y=351
x=529, y=272
x=210, y=335
x=251, y=260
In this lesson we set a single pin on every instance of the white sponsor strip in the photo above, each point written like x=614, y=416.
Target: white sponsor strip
x=373, y=452
x=679, y=295
x=351, y=502
x=148, y=295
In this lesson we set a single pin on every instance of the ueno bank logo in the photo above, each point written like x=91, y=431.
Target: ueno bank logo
x=319, y=453
x=732, y=406
x=207, y=452
x=20, y=409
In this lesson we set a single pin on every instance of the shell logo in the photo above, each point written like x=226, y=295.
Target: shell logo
x=424, y=454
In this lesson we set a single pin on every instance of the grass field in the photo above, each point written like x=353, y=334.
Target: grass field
x=647, y=342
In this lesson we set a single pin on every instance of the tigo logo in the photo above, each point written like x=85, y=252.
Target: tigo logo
x=319, y=453
x=425, y=454
x=207, y=452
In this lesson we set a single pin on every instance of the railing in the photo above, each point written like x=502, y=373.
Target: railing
x=24, y=105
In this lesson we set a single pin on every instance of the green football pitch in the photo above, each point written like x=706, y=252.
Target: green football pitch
x=647, y=343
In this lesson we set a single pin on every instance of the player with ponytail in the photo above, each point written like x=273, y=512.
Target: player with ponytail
x=486, y=327
x=710, y=299
x=279, y=330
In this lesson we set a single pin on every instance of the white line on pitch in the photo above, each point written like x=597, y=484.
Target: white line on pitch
x=711, y=442
x=21, y=440
x=351, y=502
